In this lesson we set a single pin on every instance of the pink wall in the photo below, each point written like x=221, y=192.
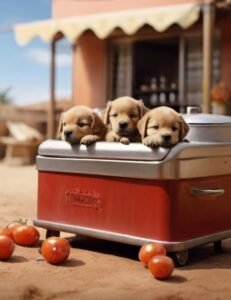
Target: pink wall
x=67, y=8
x=225, y=26
x=89, y=67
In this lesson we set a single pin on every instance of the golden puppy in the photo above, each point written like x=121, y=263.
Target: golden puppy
x=121, y=118
x=162, y=126
x=80, y=124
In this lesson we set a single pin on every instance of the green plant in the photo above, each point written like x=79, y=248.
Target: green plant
x=4, y=96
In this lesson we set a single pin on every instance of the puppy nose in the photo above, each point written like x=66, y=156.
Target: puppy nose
x=123, y=124
x=166, y=137
x=67, y=133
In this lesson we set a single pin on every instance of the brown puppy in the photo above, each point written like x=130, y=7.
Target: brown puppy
x=162, y=126
x=121, y=118
x=80, y=124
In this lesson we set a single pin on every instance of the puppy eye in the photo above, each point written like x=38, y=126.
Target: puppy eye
x=114, y=115
x=82, y=124
x=156, y=127
x=174, y=128
x=133, y=115
x=64, y=124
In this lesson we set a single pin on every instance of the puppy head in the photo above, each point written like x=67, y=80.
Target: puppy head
x=77, y=122
x=122, y=115
x=165, y=125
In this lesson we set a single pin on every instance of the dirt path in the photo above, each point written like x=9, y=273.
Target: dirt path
x=97, y=269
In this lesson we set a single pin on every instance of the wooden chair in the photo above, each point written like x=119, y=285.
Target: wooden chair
x=21, y=144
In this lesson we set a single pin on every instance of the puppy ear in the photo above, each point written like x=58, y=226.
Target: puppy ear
x=60, y=127
x=97, y=125
x=142, y=126
x=142, y=108
x=184, y=128
x=106, y=113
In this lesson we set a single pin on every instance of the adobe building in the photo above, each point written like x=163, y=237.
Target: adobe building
x=164, y=52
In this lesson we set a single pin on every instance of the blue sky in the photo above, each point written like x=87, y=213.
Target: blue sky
x=26, y=69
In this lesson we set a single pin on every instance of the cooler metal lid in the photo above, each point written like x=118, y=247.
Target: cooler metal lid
x=207, y=119
x=102, y=150
x=185, y=160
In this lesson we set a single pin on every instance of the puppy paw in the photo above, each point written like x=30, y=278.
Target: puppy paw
x=186, y=141
x=111, y=137
x=150, y=142
x=88, y=140
x=124, y=140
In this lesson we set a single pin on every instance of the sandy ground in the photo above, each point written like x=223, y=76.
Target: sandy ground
x=97, y=269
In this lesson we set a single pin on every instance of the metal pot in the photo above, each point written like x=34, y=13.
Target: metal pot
x=208, y=128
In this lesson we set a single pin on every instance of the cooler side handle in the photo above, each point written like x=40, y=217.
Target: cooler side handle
x=207, y=192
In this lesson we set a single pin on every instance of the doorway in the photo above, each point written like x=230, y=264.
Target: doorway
x=155, y=71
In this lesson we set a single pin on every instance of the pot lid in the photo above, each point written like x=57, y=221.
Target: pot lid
x=207, y=119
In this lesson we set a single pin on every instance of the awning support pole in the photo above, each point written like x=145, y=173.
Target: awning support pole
x=73, y=92
x=181, y=75
x=51, y=122
x=208, y=31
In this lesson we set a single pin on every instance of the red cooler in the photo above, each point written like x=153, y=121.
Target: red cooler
x=179, y=196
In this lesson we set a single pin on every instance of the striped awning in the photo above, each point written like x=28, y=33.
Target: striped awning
x=129, y=21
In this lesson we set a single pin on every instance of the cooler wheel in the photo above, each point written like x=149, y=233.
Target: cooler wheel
x=218, y=247
x=180, y=258
x=51, y=233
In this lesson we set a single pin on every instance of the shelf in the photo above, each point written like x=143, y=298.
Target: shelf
x=157, y=91
x=182, y=108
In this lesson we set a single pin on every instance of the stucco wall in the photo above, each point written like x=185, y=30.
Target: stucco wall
x=89, y=67
x=67, y=8
x=89, y=71
x=225, y=27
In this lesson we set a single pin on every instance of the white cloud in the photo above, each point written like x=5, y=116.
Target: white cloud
x=64, y=60
x=63, y=93
x=23, y=97
x=43, y=56
x=26, y=96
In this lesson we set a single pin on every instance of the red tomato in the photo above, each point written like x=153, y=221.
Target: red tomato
x=148, y=250
x=8, y=230
x=26, y=235
x=161, y=266
x=55, y=250
x=6, y=247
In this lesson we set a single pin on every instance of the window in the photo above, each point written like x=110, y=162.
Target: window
x=194, y=68
x=166, y=71
x=155, y=71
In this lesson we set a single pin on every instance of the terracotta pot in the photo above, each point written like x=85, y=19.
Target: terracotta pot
x=218, y=108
